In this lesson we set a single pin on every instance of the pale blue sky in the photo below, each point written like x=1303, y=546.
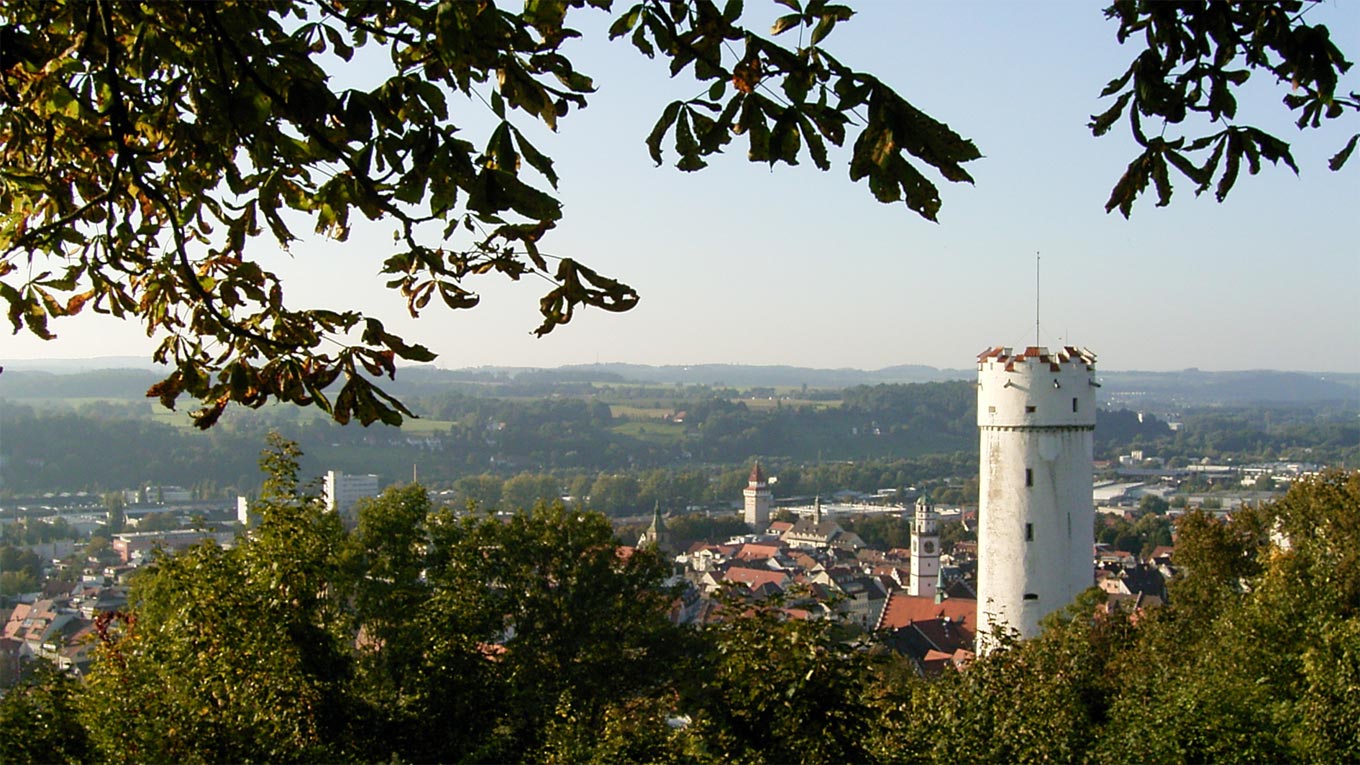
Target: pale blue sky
x=741, y=264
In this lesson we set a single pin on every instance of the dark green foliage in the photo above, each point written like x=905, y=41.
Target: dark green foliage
x=882, y=531
x=688, y=529
x=1262, y=636
x=614, y=494
x=1139, y=537
x=1194, y=56
x=578, y=625
x=38, y=721
x=233, y=655
x=20, y=569
x=780, y=689
x=424, y=636
x=420, y=636
x=1151, y=503
x=1323, y=434
x=46, y=449
x=165, y=141
x=944, y=407
x=1327, y=730
x=1116, y=429
x=1037, y=702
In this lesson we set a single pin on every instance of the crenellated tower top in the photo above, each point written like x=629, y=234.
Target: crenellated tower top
x=1036, y=388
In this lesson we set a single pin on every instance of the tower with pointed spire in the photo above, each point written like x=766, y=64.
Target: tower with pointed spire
x=759, y=500
x=656, y=534
x=925, y=551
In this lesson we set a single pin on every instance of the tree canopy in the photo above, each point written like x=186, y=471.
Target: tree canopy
x=425, y=636
x=150, y=152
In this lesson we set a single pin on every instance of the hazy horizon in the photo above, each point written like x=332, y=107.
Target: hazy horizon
x=121, y=362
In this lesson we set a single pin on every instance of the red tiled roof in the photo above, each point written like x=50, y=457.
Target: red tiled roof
x=1161, y=551
x=903, y=609
x=754, y=577
x=935, y=662
x=752, y=551
x=16, y=619
x=723, y=550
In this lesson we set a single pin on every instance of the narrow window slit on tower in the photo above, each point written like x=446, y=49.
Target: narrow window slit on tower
x=1031, y=596
x=1029, y=532
x=1074, y=404
x=1029, y=476
x=1029, y=410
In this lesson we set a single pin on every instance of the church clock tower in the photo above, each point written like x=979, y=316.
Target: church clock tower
x=925, y=551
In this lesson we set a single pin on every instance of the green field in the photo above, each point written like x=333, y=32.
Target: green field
x=656, y=432
x=639, y=412
x=763, y=404
x=425, y=427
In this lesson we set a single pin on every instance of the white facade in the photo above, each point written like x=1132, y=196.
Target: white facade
x=1036, y=417
x=759, y=500
x=925, y=551
x=343, y=491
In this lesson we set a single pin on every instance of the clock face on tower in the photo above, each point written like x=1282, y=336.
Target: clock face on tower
x=929, y=547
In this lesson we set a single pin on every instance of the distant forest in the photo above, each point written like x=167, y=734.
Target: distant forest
x=94, y=431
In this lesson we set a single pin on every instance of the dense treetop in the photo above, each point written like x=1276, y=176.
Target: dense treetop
x=424, y=636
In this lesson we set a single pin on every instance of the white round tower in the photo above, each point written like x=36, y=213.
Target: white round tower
x=1037, y=418
x=758, y=500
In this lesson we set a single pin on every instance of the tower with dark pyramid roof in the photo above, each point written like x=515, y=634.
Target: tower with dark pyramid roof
x=656, y=534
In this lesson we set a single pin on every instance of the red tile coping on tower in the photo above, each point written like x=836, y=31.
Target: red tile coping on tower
x=1002, y=354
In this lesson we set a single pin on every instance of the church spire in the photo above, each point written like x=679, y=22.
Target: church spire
x=656, y=534
x=658, y=525
x=757, y=476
